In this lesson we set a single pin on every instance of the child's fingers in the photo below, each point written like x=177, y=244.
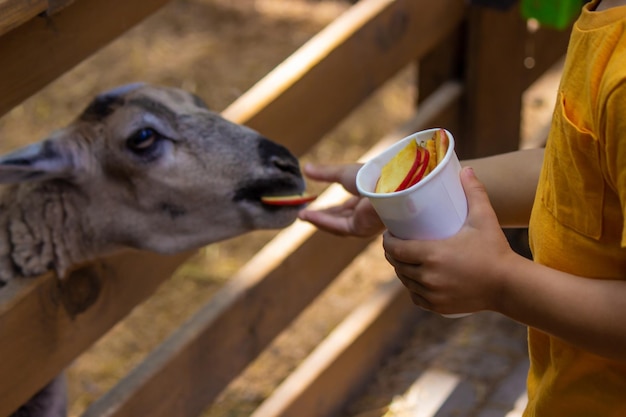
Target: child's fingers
x=404, y=251
x=327, y=221
x=342, y=174
x=321, y=172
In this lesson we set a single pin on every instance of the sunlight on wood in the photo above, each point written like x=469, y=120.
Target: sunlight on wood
x=425, y=396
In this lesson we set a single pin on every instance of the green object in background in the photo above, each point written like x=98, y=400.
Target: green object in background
x=554, y=13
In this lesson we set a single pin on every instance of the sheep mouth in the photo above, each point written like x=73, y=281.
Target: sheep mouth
x=274, y=194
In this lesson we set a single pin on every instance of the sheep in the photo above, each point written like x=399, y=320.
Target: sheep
x=143, y=167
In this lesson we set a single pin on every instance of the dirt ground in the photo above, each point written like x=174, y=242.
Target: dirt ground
x=217, y=49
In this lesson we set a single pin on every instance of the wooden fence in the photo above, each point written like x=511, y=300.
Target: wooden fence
x=471, y=65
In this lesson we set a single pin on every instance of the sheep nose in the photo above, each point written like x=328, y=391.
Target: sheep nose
x=275, y=155
x=286, y=163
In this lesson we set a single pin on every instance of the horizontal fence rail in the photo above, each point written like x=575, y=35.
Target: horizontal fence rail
x=42, y=49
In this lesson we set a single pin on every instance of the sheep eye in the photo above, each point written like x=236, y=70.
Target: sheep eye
x=142, y=140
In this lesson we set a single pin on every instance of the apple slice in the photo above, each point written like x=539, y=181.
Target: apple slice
x=441, y=143
x=399, y=170
x=431, y=145
x=288, y=200
x=413, y=163
x=424, y=169
x=415, y=169
x=438, y=146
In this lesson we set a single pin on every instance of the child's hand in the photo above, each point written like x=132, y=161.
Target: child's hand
x=355, y=217
x=459, y=274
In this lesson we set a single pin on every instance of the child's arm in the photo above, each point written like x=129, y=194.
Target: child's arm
x=511, y=182
x=477, y=270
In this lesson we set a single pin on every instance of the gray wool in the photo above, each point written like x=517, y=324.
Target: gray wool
x=41, y=230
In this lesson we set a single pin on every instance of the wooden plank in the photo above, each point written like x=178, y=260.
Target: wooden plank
x=45, y=324
x=495, y=81
x=346, y=360
x=207, y=352
x=55, y=6
x=40, y=50
x=442, y=64
x=442, y=108
x=341, y=66
x=13, y=13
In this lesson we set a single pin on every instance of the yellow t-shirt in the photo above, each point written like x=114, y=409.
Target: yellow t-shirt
x=577, y=224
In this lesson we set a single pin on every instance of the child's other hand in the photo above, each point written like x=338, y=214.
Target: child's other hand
x=355, y=217
x=459, y=274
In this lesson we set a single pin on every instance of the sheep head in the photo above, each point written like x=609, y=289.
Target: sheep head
x=153, y=168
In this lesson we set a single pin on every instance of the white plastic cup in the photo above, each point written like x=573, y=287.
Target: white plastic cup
x=434, y=208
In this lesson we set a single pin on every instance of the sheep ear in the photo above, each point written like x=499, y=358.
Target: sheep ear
x=36, y=162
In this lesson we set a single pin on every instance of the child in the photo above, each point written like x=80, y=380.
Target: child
x=573, y=197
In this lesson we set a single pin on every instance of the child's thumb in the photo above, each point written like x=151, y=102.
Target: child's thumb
x=476, y=194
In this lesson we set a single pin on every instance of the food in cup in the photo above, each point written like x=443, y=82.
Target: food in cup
x=414, y=162
x=433, y=208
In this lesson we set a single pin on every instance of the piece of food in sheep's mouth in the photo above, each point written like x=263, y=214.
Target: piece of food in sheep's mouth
x=288, y=200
